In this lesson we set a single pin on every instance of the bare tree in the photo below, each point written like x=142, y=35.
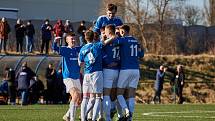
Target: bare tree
x=192, y=15
x=209, y=12
x=138, y=12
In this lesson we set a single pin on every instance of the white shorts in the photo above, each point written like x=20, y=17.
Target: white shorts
x=110, y=78
x=93, y=82
x=72, y=83
x=128, y=78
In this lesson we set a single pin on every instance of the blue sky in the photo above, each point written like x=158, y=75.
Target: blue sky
x=199, y=3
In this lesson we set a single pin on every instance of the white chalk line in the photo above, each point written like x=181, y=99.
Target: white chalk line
x=164, y=114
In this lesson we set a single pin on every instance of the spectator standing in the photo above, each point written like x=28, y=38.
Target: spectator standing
x=68, y=28
x=46, y=35
x=24, y=76
x=158, y=85
x=30, y=31
x=178, y=82
x=4, y=31
x=20, y=33
x=50, y=78
x=81, y=30
x=59, y=30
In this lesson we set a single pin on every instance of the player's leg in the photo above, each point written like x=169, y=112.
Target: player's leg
x=121, y=86
x=108, y=76
x=76, y=97
x=97, y=82
x=131, y=91
x=86, y=95
x=90, y=104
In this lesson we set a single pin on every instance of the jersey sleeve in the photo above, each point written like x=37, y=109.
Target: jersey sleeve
x=98, y=25
x=80, y=56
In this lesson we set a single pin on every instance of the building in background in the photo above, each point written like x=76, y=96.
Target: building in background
x=11, y=13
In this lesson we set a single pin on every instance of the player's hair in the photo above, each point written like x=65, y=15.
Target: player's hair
x=111, y=27
x=70, y=34
x=89, y=35
x=96, y=35
x=111, y=7
x=102, y=29
x=125, y=27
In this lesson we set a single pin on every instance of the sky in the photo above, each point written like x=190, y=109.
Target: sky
x=199, y=3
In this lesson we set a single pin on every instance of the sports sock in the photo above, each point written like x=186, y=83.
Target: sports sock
x=107, y=107
x=73, y=108
x=96, y=108
x=84, y=107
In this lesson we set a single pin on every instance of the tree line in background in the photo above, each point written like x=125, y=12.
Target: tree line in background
x=172, y=24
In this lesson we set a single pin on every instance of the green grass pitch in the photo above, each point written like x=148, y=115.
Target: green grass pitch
x=187, y=112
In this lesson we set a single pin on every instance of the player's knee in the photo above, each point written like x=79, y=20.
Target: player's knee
x=107, y=92
x=131, y=92
x=120, y=91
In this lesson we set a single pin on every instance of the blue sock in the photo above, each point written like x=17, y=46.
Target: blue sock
x=119, y=109
x=72, y=110
x=107, y=107
x=131, y=104
x=122, y=101
x=96, y=108
x=131, y=107
x=84, y=107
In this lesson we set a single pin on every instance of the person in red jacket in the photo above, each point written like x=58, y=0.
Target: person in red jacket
x=4, y=31
x=58, y=30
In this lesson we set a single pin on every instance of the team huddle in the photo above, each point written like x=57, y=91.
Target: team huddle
x=110, y=62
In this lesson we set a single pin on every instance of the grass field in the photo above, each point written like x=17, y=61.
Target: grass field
x=142, y=113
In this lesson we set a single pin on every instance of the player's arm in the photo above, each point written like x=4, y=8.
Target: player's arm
x=98, y=25
x=81, y=59
x=109, y=40
x=55, y=45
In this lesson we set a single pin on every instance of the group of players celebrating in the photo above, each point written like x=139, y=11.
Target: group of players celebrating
x=111, y=70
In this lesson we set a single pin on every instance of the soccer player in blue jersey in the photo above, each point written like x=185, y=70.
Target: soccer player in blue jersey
x=130, y=52
x=110, y=18
x=90, y=57
x=71, y=73
x=110, y=70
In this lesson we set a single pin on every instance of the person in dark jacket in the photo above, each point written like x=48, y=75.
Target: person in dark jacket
x=158, y=85
x=30, y=31
x=46, y=36
x=68, y=28
x=36, y=89
x=4, y=31
x=10, y=78
x=81, y=30
x=178, y=82
x=50, y=78
x=20, y=34
x=24, y=76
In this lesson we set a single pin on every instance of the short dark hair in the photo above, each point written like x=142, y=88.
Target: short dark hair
x=111, y=7
x=125, y=27
x=70, y=34
x=102, y=29
x=111, y=27
x=89, y=35
x=46, y=20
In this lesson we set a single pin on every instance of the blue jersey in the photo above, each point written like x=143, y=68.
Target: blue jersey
x=70, y=67
x=130, y=53
x=91, y=55
x=104, y=21
x=111, y=55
